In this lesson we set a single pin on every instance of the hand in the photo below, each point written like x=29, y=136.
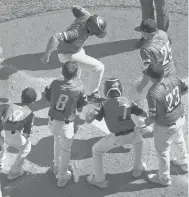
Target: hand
x=44, y=59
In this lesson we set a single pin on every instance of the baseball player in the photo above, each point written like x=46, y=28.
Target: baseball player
x=161, y=10
x=167, y=112
x=66, y=96
x=118, y=113
x=70, y=45
x=156, y=49
x=17, y=121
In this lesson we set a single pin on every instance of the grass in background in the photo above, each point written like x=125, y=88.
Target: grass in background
x=12, y=9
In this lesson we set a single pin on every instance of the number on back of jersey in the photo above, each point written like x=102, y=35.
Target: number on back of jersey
x=62, y=101
x=167, y=53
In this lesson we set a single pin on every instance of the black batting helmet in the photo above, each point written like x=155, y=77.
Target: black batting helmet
x=112, y=85
x=97, y=26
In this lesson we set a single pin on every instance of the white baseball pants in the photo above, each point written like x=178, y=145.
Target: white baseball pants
x=111, y=141
x=63, y=139
x=163, y=138
x=85, y=62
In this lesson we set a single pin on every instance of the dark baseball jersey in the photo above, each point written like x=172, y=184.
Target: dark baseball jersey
x=117, y=114
x=16, y=117
x=65, y=98
x=73, y=39
x=158, y=49
x=164, y=100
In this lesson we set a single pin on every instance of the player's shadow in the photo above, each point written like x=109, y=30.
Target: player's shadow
x=45, y=185
x=32, y=61
x=42, y=153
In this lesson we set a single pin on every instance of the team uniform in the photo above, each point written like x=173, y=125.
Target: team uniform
x=117, y=113
x=17, y=121
x=71, y=44
x=65, y=98
x=167, y=111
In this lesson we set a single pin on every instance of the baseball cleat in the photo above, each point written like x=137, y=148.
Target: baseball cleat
x=13, y=175
x=63, y=181
x=154, y=178
x=137, y=172
x=101, y=184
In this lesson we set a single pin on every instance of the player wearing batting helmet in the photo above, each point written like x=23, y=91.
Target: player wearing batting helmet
x=70, y=45
x=118, y=113
x=167, y=112
x=66, y=96
x=16, y=124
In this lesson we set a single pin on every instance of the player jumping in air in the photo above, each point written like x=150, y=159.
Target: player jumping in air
x=118, y=113
x=70, y=46
x=66, y=96
x=17, y=121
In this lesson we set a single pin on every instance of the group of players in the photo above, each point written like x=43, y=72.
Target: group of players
x=124, y=118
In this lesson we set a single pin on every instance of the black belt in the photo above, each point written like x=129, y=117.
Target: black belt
x=66, y=121
x=124, y=132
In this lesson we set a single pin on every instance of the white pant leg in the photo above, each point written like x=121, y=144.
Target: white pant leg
x=19, y=161
x=111, y=141
x=66, y=134
x=85, y=62
x=179, y=149
x=163, y=137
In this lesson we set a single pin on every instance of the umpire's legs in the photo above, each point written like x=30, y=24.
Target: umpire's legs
x=94, y=66
x=162, y=14
x=111, y=141
x=147, y=9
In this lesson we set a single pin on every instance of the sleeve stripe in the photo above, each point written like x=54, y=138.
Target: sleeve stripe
x=152, y=114
x=152, y=109
x=65, y=36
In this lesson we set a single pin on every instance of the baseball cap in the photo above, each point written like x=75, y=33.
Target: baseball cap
x=155, y=71
x=148, y=26
x=69, y=69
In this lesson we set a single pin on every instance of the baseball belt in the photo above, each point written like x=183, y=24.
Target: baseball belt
x=124, y=132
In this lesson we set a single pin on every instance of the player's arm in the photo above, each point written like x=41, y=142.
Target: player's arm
x=146, y=57
x=82, y=101
x=28, y=123
x=80, y=13
x=48, y=92
x=152, y=110
x=136, y=110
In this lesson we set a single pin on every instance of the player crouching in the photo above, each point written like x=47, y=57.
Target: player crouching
x=17, y=121
x=117, y=112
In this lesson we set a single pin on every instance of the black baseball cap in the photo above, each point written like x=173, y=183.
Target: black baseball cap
x=148, y=26
x=155, y=71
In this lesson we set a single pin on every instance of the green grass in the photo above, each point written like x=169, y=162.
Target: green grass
x=12, y=9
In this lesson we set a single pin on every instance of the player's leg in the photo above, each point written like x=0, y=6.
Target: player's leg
x=147, y=9
x=179, y=147
x=102, y=146
x=16, y=169
x=138, y=167
x=162, y=140
x=66, y=140
x=51, y=46
x=162, y=14
x=55, y=126
x=94, y=66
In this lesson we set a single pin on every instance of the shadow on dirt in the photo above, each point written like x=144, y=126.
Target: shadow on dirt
x=45, y=186
x=32, y=61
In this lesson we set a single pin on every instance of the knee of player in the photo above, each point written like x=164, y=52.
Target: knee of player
x=95, y=150
x=100, y=67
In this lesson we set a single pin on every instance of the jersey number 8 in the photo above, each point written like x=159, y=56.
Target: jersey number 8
x=167, y=53
x=173, y=99
x=62, y=101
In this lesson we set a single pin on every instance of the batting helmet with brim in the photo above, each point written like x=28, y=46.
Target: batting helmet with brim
x=97, y=26
x=69, y=69
x=29, y=95
x=148, y=26
x=155, y=71
x=112, y=87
